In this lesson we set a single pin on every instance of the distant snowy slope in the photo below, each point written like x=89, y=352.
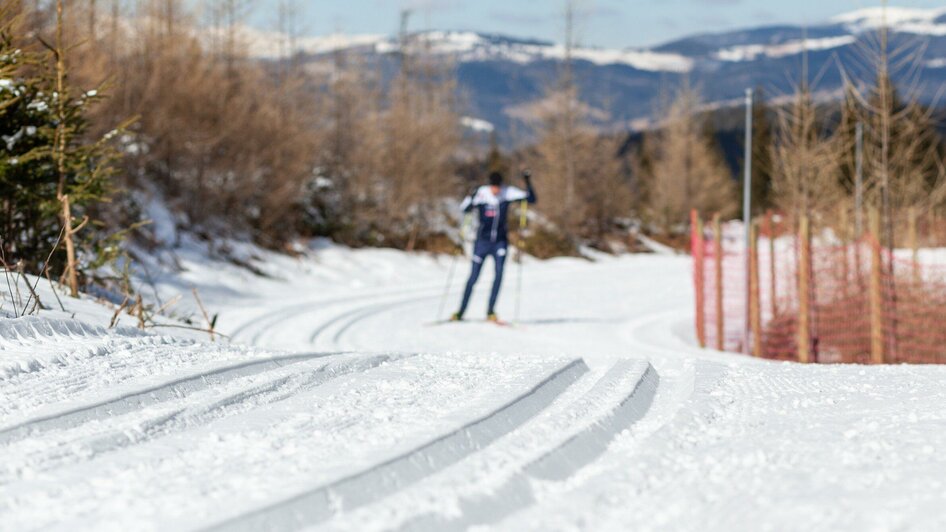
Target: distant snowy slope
x=738, y=45
x=751, y=52
x=905, y=20
x=465, y=46
x=470, y=47
x=265, y=44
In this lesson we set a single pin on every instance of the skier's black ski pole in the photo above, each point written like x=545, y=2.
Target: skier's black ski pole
x=453, y=265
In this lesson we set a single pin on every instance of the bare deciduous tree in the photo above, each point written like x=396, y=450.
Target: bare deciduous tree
x=685, y=169
x=903, y=152
x=806, y=160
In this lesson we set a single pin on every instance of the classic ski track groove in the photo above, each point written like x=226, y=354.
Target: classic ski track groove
x=585, y=444
x=258, y=327
x=182, y=419
x=374, y=311
x=262, y=324
x=148, y=396
x=691, y=410
x=359, y=313
x=368, y=311
x=385, y=478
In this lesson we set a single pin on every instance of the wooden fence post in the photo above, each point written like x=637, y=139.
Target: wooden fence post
x=804, y=291
x=859, y=240
x=770, y=231
x=913, y=241
x=931, y=239
x=720, y=308
x=755, y=303
x=876, y=292
x=699, y=272
x=844, y=233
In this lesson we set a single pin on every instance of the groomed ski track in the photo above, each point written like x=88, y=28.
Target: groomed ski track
x=347, y=413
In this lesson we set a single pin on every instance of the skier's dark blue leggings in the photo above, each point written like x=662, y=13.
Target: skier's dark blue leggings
x=484, y=249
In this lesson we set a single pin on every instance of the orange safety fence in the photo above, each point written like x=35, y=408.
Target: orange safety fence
x=817, y=300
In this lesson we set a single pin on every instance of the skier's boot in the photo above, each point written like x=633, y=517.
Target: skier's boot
x=492, y=318
x=456, y=317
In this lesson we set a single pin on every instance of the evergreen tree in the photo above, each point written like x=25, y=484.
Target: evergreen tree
x=50, y=174
x=27, y=174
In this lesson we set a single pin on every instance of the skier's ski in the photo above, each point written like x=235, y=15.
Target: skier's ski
x=498, y=323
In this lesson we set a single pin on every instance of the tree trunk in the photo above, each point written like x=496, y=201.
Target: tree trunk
x=70, y=274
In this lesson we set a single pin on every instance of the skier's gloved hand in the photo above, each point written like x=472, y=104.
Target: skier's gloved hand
x=527, y=176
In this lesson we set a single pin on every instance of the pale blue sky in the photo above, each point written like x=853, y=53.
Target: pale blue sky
x=609, y=23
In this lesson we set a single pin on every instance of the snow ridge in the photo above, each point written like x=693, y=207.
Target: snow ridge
x=29, y=330
x=31, y=343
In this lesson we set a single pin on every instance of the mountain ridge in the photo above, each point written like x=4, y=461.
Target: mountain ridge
x=500, y=74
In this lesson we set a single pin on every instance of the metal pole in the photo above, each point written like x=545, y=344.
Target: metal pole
x=747, y=218
x=859, y=182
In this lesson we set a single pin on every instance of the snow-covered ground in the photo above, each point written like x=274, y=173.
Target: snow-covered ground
x=337, y=405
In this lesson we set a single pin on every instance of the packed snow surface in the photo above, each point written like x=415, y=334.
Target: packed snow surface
x=339, y=404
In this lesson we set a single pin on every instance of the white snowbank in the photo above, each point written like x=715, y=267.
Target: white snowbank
x=907, y=20
x=274, y=45
x=936, y=63
x=477, y=124
x=754, y=51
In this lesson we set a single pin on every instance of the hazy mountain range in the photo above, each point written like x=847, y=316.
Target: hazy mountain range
x=501, y=76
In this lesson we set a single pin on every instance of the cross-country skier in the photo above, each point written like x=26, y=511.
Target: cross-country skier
x=492, y=239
